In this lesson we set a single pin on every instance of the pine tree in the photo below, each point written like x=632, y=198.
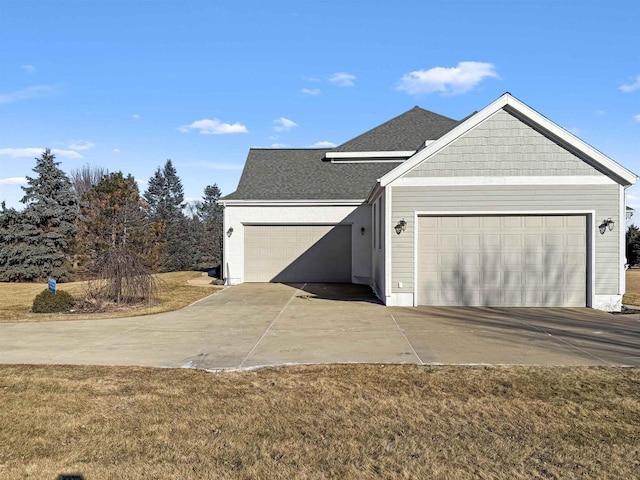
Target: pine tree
x=38, y=239
x=633, y=245
x=210, y=213
x=11, y=245
x=165, y=196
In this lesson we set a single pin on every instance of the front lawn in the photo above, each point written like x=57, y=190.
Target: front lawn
x=174, y=292
x=632, y=297
x=313, y=422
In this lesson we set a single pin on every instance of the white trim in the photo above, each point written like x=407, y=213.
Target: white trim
x=402, y=299
x=225, y=239
x=622, y=222
x=507, y=180
x=375, y=154
x=608, y=303
x=372, y=160
x=376, y=192
x=388, y=287
x=591, y=228
x=291, y=203
x=511, y=104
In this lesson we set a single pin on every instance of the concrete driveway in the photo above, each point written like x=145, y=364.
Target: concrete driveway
x=252, y=325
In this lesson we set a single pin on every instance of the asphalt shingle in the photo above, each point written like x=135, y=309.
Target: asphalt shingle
x=304, y=174
x=404, y=132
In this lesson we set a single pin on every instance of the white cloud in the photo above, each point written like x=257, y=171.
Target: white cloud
x=323, y=144
x=631, y=87
x=448, y=81
x=36, y=152
x=279, y=145
x=37, y=91
x=116, y=150
x=343, y=79
x=311, y=79
x=213, y=127
x=600, y=112
x=141, y=183
x=136, y=116
x=576, y=131
x=283, y=124
x=80, y=146
x=28, y=68
x=13, y=181
x=637, y=117
x=311, y=91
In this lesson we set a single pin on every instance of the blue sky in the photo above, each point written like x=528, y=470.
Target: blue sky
x=129, y=84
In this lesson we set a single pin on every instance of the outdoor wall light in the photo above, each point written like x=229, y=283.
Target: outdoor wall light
x=401, y=226
x=362, y=230
x=608, y=223
x=230, y=231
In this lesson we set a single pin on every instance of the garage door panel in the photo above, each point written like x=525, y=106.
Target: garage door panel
x=502, y=260
x=297, y=253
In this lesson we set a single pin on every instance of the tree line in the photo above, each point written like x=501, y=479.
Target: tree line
x=96, y=224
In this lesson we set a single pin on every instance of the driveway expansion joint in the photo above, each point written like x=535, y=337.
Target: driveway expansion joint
x=271, y=325
x=420, y=362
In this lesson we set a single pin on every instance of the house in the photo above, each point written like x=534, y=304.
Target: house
x=502, y=208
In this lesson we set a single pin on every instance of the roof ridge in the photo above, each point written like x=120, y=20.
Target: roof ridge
x=400, y=132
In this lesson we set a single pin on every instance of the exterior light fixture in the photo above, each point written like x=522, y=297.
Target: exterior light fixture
x=401, y=226
x=608, y=223
x=362, y=230
x=230, y=231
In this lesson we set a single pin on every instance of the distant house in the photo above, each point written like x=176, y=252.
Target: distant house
x=502, y=208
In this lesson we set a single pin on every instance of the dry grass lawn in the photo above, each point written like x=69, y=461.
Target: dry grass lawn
x=174, y=292
x=632, y=297
x=315, y=422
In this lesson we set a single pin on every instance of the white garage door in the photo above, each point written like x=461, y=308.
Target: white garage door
x=297, y=253
x=525, y=261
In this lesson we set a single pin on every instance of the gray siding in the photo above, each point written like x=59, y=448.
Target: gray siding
x=604, y=199
x=503, y=146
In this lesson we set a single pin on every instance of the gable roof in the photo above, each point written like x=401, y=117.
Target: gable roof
x=528, y=115
x=406, y=132
x=302, y=174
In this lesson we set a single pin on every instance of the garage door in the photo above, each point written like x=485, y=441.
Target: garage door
x=297, y=253
x=526, y=261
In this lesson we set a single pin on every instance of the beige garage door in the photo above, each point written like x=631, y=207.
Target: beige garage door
x=297, y=253
x=525, y=261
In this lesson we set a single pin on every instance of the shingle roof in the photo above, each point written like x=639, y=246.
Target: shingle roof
x=305, y=174
x=302, y=174
x=404, y=132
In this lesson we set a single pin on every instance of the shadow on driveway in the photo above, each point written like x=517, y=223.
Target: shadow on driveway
x=520, y=335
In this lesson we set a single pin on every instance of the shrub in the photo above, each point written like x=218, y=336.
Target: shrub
x=47, y=302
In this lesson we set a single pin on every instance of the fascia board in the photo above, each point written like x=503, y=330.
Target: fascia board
x=382, y=154
x=376, y=191
x=570, y=139
x=292, y=203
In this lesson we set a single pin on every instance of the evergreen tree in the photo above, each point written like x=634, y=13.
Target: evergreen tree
x=38, y=239
x=165, y=196
x=633, y=245
x=11, y=245
x=211, y=215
